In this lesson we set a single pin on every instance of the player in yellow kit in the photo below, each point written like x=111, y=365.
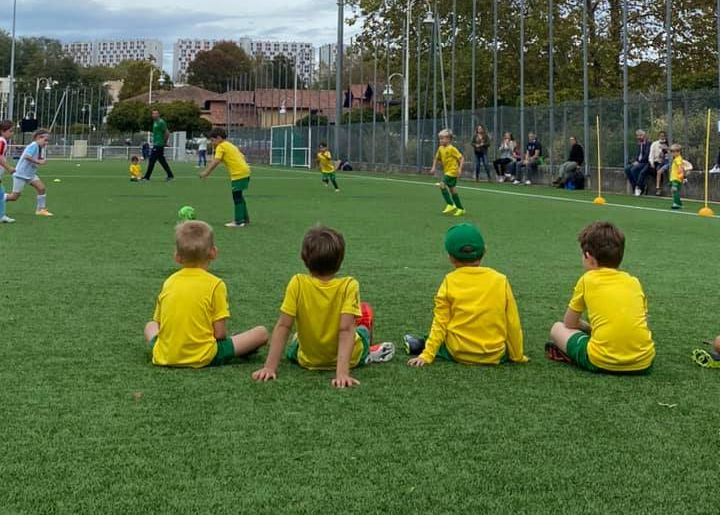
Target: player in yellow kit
x=135, y=169
x=237, y=167
x=452, y=162
x=677, y=174
x=324, y=308
x=189, y=327
x=327, y=166
x=475, y=320
x=617, y=338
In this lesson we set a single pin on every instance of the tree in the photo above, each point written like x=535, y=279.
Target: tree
x=212, y=69
x=129, y=117
x=136, y=78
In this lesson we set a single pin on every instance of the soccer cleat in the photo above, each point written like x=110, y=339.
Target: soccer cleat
x=528, y=183
x=638, y=191
x=7, y=220
x=516, y=182
x=449, y=209
x=381, y=353
x=169, y=179
x=676, y=206
x=413, y=345
x=459, y=212
x=235, y=224
x=706, y=359
x=337, y=190
x=43, y=212
x=554, y=353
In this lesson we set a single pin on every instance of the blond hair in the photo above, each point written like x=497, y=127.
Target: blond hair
x=445, y=133
x=675, y=146
x=194, y=240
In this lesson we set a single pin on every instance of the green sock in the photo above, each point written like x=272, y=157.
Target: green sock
x=676, y=194
x=446, y=196
x=456, y=200
x=241, y=212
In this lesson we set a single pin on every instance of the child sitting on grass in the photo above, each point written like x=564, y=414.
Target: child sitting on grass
x=475, y=320
x=135, y=170
x=325, y=308
x=189, y=327
x=617, y=339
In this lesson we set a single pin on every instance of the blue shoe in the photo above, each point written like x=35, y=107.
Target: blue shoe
x=413, y=345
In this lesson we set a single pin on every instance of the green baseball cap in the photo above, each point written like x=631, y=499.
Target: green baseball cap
x=464, y=242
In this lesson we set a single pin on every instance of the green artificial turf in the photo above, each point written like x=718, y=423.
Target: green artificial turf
x=88, y=425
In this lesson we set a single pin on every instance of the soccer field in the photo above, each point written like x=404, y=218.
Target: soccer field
x=88, y=425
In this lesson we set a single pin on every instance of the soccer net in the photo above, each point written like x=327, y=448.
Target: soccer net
x=290, y=146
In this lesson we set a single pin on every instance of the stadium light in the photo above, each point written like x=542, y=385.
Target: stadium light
x=429, y=19
x=161, y=80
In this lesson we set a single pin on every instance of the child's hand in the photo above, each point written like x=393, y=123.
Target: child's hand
x=42, y=161
x=416, y=362
x=432, y=171
x=264, y=374
x=344, y=381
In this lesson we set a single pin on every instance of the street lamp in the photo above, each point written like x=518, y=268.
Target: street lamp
x=161, y=79
x=87, y=108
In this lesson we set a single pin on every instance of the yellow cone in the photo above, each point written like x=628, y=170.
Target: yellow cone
x=599, y=201
x=707, y=212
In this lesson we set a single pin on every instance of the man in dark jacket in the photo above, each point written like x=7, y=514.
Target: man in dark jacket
x=637, y=169
x=569, y=169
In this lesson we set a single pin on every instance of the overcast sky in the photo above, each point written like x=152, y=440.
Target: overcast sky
x=314, y=21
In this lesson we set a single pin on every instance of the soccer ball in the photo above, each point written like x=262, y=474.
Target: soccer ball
x=186, y=213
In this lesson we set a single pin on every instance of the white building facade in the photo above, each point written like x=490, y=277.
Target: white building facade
x=185, y=51
x=111, y=52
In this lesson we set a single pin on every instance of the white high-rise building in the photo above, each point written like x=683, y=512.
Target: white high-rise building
x=327, y=55
x=185, y=51
x=302, y=53
x=111, y=52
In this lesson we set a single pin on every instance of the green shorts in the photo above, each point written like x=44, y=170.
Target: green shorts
x=240, y=184
x=292, y=351
x=450, y=181
x=328, y=176
x=577, y=351
x=444, y=353
x=225, y=351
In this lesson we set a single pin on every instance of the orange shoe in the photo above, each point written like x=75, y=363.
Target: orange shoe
x=43, y=212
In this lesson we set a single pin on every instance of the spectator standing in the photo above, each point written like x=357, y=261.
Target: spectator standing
x=480, y=143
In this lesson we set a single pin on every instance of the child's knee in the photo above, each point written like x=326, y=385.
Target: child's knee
x=557, y=330
x=11, y=197
x=263, y=335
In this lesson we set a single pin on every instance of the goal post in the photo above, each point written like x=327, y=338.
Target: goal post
x=290, y=146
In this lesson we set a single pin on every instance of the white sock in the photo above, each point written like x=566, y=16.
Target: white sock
x=41, y=201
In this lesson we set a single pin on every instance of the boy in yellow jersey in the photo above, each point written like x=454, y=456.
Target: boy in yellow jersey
x=452, y=161
x=475, y=320
x=617, y=339
x=135, y=170
x=324, y=308
x=677, y=174
x=327, y=166
x=189, y=327
x=237, y=167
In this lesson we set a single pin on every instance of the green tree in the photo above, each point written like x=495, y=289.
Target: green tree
x=212, y=69
x=136, y=78
x=129, y=117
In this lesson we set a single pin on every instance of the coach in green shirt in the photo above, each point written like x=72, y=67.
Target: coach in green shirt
x=160, y=138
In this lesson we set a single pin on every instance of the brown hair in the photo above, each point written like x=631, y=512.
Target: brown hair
x=218, y=132
x=193, y=242
x=134, y=159
x=6, y=125
x=40, y=132
x=323, y=250
x=605, y=242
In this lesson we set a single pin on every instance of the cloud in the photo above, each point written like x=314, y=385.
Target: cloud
x=169, y=20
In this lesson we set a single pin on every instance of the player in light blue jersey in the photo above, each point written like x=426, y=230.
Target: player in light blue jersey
x=26, y=172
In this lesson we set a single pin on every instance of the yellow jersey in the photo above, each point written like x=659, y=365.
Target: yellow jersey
x=233, y=159
x=450, y=158
x=316, y=307
x=617, y=310
x=476, y=317
x=677, y=170
x=191, y=300
x=325, y=161
x=135, y=171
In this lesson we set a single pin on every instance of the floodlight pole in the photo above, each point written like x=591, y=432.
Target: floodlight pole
x=551, y=88
x=338, y=73
x=406, y=76
x=522, y=75
x=625, y=83
x=586, y=128
x=11, y=93
x=668, y=69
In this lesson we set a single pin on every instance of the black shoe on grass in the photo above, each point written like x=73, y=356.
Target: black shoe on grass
x=413, y=345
